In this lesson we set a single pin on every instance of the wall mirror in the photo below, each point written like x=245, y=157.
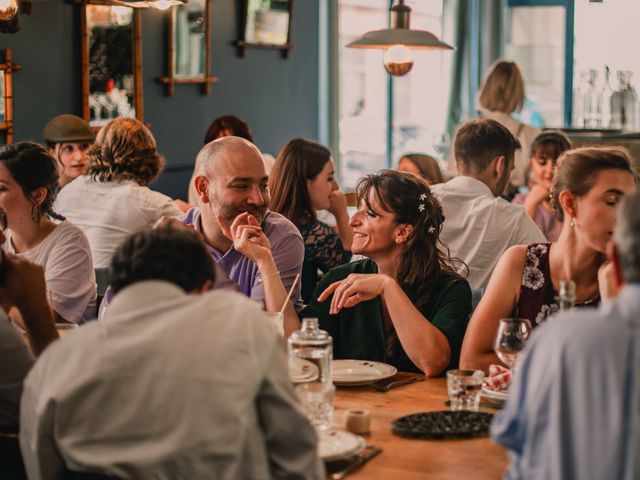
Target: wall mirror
x=266, y=24
x=188, y=48
x=111, y=63
x=7, y=67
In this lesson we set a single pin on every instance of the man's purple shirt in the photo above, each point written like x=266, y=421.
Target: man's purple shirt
x=236, y=271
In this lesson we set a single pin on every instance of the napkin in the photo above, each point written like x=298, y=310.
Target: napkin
x=499, y=378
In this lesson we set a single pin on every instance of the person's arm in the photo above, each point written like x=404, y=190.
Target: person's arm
x=498, y=301
x=338, y=208
x=290, y=439
x=249, y=239
x=537, y=195
x=426, y=346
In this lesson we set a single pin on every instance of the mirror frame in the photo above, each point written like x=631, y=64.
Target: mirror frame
x=8, y=67
x=84, y=59
x=170, y=80
x=242, y=44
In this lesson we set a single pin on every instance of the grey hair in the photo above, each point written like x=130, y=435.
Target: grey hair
x=627, y=237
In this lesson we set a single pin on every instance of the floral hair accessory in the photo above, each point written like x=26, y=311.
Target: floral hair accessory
x=421, y=206
x=431, y=229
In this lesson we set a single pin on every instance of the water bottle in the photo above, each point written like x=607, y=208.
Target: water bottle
x=310, y=353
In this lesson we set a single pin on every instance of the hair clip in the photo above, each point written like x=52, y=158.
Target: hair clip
x=423, y=197
x=431, y=229
x=421, y=207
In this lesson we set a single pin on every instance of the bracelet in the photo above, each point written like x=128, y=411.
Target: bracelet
x=274, y=274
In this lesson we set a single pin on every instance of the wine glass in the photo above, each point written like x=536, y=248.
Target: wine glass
x=511, y=338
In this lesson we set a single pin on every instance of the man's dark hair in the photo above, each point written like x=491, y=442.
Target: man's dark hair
x=166, y=253
x=478, y=142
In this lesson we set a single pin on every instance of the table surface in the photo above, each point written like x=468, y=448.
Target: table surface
x=403, y=458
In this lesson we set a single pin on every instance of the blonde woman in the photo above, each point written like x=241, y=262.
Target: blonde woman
x=112, y=200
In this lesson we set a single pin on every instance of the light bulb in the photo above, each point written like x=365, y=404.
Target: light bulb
x=397, y=60
x=8, y=9
x=162, y=4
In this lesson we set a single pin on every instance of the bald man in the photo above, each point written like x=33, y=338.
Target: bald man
x=233, y=195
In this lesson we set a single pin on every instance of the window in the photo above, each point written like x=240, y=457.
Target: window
x=383, y=117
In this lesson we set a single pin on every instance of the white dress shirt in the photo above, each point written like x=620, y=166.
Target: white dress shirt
x=65, y=256
x=479, y=227
x=574, y=405
x=109, y=212
x=168, y=386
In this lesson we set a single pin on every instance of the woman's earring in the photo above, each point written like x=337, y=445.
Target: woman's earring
x=397, y=240
x=573, y=222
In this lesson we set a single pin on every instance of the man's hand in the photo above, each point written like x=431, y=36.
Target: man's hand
x=247, y=237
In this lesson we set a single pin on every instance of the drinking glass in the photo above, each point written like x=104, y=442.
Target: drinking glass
x=463, y=387
x=511, y=338
x=64, y=328
x=277, y=318
x=441, y=143
x=316, y=399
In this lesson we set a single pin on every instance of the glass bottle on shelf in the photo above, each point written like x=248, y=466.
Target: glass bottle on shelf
x=625, y=110
x=605, y=98
x=579, y=101
x=592, y=105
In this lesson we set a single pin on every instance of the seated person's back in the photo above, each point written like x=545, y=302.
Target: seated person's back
x=112, y=200
x=479, y=225
x=175, y=382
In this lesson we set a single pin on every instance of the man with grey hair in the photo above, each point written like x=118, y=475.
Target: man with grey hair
x=258, y=250
x=574, y=407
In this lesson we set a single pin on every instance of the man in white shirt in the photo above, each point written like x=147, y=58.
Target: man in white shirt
x=177, y=381
x=574, y=406
x=479, y=225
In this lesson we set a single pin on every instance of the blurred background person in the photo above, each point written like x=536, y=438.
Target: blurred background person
x=35, y=232
x=113, y=200
x=68, y=138
x=302, y=183
x=423, y=165
x=545, y=150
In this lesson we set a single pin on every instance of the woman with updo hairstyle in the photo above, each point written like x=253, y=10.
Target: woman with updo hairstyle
x=112, y=200
x=302, y=183
x=405, y=304
x=587, y=188
x=28, y=186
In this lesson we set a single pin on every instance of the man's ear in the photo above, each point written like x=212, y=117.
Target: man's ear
x=403, y=231
x=201, y=185
x=499, y=166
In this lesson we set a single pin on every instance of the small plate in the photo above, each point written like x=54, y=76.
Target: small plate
x=360, y=372
x=495, y=396
x=444, y=424
x=337, y=444
x=301, y=370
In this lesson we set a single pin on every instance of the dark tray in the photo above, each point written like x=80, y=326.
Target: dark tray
x=444, y=424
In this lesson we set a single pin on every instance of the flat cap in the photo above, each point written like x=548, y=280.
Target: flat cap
x=67, y=128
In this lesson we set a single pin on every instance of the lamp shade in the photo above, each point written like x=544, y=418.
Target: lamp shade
x=411, y=39
x=147, y=3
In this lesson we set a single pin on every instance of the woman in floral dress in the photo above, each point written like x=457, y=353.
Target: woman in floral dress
x=587, y=187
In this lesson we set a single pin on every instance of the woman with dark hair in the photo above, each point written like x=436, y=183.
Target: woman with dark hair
x=112, y=200
x=422, y=165
x=228, y=126
x=301, y=183
x=28, y=186
x=587, y=188
x=405, y=304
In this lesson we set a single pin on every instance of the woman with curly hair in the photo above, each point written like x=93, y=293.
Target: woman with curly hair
x=112, y=200
x=587, y=188
x=405, y=304
x=28, y=186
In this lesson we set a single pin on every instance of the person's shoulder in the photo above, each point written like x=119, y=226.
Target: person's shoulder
x=66, y=230
x=276, y=225
x=361, y=266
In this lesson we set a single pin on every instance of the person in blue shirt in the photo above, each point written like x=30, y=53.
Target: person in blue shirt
x=574, y=406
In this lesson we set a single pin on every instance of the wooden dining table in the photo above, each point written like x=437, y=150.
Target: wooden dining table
x=404, y=458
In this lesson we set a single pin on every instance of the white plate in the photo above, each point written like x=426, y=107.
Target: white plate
x=337, y=444
x=360, y=372
x=301, y=370
x=494, y=396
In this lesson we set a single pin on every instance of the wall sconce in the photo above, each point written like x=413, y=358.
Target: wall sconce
x=9, y=10
x=399, y=40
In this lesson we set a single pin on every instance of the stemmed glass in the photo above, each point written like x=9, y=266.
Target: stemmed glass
x=511, y=338
x=441, y=143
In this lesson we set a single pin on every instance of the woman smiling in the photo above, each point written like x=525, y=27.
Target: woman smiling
x=405, y=304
